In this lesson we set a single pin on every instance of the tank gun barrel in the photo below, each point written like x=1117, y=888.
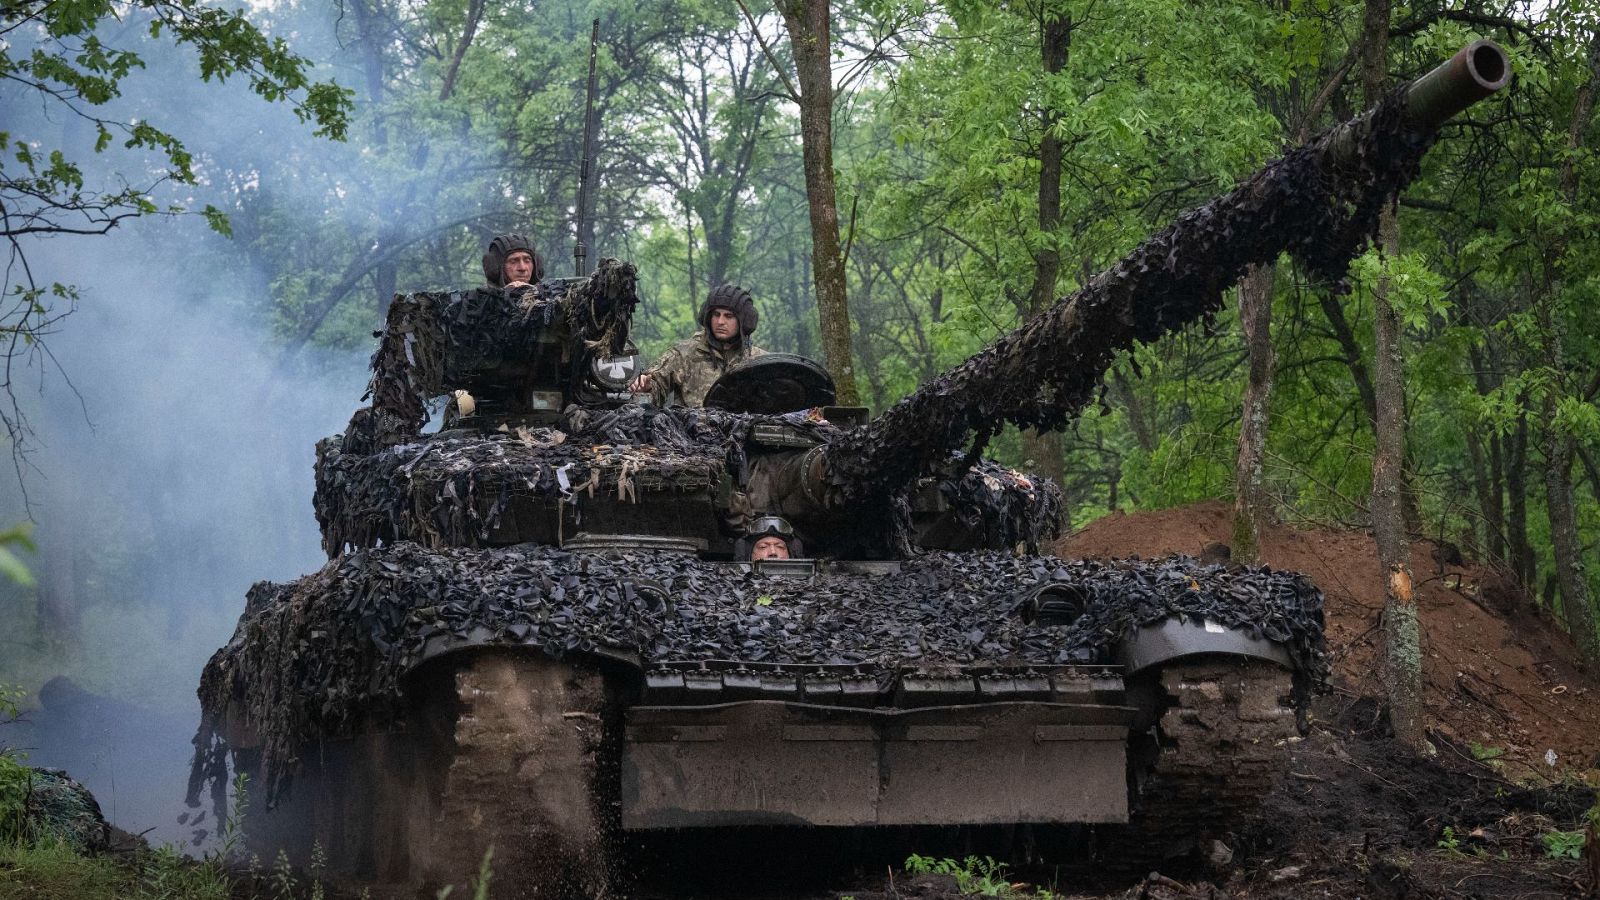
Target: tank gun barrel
x=1319, y=202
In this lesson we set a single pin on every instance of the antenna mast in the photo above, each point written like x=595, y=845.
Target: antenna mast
x=579, y=251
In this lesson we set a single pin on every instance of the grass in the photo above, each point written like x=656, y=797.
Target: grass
x=976, y=876
x=46, y=869
x=52, y=871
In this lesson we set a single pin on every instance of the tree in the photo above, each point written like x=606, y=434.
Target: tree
x=811, y=41
x=1402, y=638
x=1561, y=443
x=1043, y=448
x=1252, y=505
x=74, y=59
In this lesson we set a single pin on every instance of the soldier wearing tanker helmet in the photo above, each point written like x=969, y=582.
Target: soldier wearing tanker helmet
x=769, y=537
x=686, y=372
x=511, y=262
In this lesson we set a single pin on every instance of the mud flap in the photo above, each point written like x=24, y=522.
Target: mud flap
x=1173, y=639
x=777, y=763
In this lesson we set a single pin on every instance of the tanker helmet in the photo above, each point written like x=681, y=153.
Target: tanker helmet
x=769, y=526
x=736, y=300
x=503, y=245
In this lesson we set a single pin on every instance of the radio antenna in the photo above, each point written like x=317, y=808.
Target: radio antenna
x=580, y=253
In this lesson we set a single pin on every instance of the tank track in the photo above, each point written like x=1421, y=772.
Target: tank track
x=524, y=778
x=1224, y=740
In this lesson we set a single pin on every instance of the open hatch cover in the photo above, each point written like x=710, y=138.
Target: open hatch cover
x=771, y=384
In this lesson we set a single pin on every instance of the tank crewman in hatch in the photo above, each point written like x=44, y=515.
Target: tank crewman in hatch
x=512, y=262
x=687, y=371
x=769, y=537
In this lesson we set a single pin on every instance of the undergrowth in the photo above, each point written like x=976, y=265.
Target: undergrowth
x=979, y=876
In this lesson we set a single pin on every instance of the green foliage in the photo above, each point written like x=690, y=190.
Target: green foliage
x=11, y=698
x=480, y=884
x=54, y=871
x=1493, y=757
x=1563, y=844
x=1570, y=844
x=75, y=58
x=15, y=780
x=12, y=567
x=976, y=876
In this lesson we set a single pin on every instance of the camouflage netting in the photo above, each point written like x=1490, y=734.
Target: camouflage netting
x=1006, y=506
x=323, y=656
x=57, y=809
x=1319, y=203
x=430, y=340
x=451, y=490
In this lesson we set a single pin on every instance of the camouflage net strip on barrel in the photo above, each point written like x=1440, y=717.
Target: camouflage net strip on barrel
x=1320, y=203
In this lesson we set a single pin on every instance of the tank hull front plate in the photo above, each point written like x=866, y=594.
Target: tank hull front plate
x=778, y=763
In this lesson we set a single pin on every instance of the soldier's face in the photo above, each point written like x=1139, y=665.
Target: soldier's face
x=518, y=267
x=724, y=324
x=770, y=547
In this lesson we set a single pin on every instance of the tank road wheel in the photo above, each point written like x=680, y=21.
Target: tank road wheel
x=528, y=777
x=1221, y=741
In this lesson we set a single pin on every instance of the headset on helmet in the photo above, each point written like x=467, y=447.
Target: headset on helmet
x=503, y=245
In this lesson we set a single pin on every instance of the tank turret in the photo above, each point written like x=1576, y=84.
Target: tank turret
x=532, y=632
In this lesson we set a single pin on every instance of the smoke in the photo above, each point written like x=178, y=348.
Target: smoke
x=171, y=468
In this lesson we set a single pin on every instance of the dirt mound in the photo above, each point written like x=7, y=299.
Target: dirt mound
x=1501, y=679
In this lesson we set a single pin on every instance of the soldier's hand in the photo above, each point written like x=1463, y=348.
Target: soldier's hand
x=641, y=385
x=518, y=284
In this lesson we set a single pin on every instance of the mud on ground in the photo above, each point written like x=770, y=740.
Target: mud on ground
x=1355, y=816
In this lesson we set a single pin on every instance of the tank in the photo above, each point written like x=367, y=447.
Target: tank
x=535, y=631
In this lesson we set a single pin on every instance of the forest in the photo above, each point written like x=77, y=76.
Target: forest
x=207, y=213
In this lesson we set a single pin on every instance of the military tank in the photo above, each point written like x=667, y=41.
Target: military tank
x=534, y=631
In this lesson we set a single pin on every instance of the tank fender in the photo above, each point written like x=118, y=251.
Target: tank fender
x=1173, y=638
x=481, y=638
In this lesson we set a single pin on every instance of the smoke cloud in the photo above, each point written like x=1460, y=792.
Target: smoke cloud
x=171, y=469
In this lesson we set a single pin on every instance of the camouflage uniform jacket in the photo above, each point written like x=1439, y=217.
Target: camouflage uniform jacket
x=688, y=370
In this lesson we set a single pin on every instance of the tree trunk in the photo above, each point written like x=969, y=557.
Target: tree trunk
x=1521, y=552
x=1351, y=351
x=1043, y=449
x=373, y=66
x=474, y=13
x=808, y=25
x=1480, y=534
x=1143, y=434
x=1487, y=466
x=1251, y=505
x=1560, y=447
x=1402, y=631
x=1402, y=644
x=1569, y=574
x=60, y=617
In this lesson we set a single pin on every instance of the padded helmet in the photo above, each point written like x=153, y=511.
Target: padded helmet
x=503, y=245
x=736, y=300
x=769, y=526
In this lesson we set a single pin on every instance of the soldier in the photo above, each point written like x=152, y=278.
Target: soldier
x=769, y=537
x=511, y=262
x=687, y=371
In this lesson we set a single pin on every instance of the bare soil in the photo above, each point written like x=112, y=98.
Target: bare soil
x=1498, y=671
x=1357, y=816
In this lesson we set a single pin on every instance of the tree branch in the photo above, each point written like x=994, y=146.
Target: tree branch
x=777, y=67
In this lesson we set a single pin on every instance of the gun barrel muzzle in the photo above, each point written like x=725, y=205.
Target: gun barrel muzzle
x=1476, y=71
